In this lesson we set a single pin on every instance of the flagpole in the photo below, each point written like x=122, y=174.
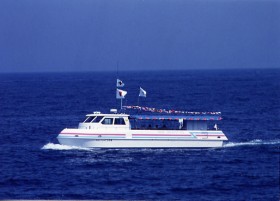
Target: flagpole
x=138, y=98
x=117, y=69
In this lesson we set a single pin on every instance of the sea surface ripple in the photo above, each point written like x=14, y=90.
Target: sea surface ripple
x=36, y=107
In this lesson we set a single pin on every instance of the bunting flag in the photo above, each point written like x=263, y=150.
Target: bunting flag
x=149, y=109
x=142, y=93
x=120, y=83
x=120, y=94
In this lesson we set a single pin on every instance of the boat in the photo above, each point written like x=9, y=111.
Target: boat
x=147, y=128
x=114, y=130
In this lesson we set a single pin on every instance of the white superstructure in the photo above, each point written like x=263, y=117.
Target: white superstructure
x=144, y=131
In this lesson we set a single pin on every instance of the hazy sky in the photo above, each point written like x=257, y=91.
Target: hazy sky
x=88, y=35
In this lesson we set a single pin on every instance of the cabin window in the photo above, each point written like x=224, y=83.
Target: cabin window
x=89, y=119
x=97, y=119
x=119, y=121
x=107, y=121
x=196, y=125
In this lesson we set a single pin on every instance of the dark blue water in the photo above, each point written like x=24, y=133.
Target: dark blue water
x=34, y=108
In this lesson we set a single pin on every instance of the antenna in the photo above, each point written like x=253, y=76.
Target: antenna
x=117, y=77
x=117, y=69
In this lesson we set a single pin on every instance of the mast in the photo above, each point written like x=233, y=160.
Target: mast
x=120, y=94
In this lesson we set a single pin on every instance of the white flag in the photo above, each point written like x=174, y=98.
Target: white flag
x=120, y=83
x=120, y=94
x=142, y=92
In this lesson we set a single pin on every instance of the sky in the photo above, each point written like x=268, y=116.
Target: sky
x=96, y=35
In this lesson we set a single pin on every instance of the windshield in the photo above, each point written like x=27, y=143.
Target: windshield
x=97, y=119
x=89, y=119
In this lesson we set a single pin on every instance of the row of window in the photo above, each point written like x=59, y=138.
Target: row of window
x=107, y=121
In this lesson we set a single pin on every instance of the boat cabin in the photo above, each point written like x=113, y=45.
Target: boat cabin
x=173, y=122
x=149, y=122
x=99, y=121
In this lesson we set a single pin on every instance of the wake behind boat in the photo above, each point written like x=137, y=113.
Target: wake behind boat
x=158, y=128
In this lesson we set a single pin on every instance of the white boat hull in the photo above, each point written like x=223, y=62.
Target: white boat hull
x=140, y=143
x=127, y=138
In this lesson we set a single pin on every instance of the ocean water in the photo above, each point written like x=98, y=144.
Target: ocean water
x=35, y=107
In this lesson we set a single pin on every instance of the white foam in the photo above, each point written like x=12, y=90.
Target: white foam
x=252, y=143
x=52, y=146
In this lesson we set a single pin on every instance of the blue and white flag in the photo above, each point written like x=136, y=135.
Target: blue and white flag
x=120, y=83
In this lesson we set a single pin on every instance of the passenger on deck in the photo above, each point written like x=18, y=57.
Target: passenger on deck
x=216, y=127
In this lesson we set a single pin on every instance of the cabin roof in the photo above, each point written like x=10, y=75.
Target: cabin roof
x=107, y=115
x=177, y=117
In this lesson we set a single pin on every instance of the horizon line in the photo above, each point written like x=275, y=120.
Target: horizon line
x=141, y=70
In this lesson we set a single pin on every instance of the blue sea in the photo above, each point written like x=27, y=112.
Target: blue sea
x=35, y=107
